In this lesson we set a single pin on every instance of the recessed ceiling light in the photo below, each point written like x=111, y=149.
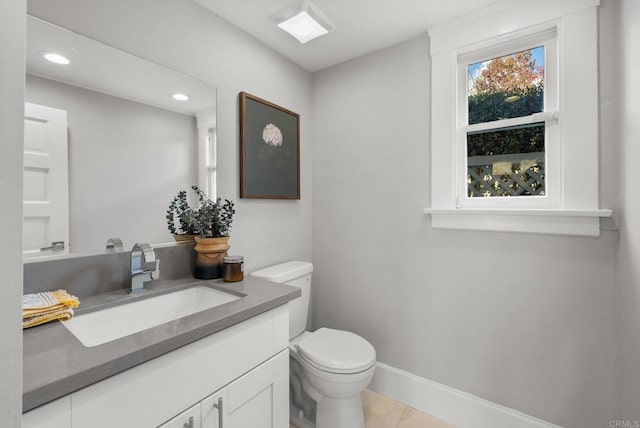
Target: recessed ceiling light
x=180, y=96
x=303, y=20
x=56, y=58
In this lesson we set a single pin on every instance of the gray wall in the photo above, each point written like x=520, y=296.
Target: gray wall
x=183, y=36
x=12, y=51
x=126, y=162
x=526, y=321
x=629, y=266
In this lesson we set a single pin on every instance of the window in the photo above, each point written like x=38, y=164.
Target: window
x=207, y=143
x=514, y=119
x=507, y=108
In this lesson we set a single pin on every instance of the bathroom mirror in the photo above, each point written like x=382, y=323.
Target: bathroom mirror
x=130, y=146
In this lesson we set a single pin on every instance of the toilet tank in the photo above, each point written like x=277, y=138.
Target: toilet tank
x=296, y=274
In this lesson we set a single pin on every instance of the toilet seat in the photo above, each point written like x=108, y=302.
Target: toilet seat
x=336, y=351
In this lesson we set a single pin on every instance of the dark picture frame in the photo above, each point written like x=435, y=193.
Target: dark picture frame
x=269, y=150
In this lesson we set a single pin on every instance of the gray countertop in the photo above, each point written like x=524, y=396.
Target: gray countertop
x=57, y=364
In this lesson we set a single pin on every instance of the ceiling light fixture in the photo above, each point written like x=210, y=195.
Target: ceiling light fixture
x=303, y=20
x=56, y=58
x=180, y=97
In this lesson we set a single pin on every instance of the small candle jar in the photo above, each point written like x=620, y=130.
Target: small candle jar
x=233, y=269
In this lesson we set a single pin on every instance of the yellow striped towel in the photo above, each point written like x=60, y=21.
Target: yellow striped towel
x=40, y=308
x=60, y=314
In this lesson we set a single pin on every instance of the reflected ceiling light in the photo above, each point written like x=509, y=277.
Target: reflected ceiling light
x=180, y=96
x=303, y=20
x=56, y=58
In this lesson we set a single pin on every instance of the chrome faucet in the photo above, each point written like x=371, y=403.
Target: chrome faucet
x=143, y=263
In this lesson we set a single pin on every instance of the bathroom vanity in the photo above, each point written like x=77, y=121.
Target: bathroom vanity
x=223, y=367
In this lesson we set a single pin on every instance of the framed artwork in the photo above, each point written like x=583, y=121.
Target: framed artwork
x=269, y=150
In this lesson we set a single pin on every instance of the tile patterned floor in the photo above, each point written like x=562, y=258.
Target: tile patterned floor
x=382, y=412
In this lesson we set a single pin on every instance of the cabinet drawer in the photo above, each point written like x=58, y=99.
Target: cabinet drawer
x=56, y=414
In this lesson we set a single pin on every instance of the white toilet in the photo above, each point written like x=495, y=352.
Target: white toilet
x=336, y=366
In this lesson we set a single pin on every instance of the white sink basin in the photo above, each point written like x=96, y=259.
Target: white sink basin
x=105, y=325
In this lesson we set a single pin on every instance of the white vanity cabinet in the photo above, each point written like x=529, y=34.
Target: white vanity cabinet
x=246, y=365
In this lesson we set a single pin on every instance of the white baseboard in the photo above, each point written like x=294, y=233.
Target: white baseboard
x=456, y=407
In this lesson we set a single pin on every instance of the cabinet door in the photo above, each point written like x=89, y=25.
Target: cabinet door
x=258, y=399
x=190, y=418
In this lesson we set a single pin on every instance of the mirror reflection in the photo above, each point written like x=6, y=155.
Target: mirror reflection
x=109, y=140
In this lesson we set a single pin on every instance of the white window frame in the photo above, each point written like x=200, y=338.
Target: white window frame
x=569, y=31
x=207, y=157
x=550, y=114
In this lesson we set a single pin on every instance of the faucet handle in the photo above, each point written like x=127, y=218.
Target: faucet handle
x=148, y=256
x=115, y=244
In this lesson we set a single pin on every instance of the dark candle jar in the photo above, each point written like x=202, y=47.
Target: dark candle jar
x=233, y=269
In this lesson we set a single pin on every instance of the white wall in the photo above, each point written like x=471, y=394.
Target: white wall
x=526, y=321
x=185, y=37
x=12, y=51
x=629, y=266
x=124, y=158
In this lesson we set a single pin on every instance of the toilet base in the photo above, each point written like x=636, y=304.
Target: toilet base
x=299, y=420
x=340, y=413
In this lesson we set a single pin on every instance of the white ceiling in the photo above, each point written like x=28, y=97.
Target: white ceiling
x=361, y=26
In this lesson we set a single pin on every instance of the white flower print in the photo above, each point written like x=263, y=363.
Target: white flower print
x=272, y=135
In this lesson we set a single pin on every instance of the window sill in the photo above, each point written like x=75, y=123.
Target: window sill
x=541, y=221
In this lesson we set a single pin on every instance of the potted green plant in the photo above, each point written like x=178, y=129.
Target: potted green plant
x=212, y=227
x=212, y=219
x=179, y=211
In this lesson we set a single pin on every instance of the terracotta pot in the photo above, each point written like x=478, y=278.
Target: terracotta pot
x=210, y=257
x=183, y=237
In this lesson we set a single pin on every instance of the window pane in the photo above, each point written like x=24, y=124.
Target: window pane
x=506, y=87
x=506, y=161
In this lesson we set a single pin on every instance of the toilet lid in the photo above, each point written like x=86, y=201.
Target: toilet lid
x=337, y=351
